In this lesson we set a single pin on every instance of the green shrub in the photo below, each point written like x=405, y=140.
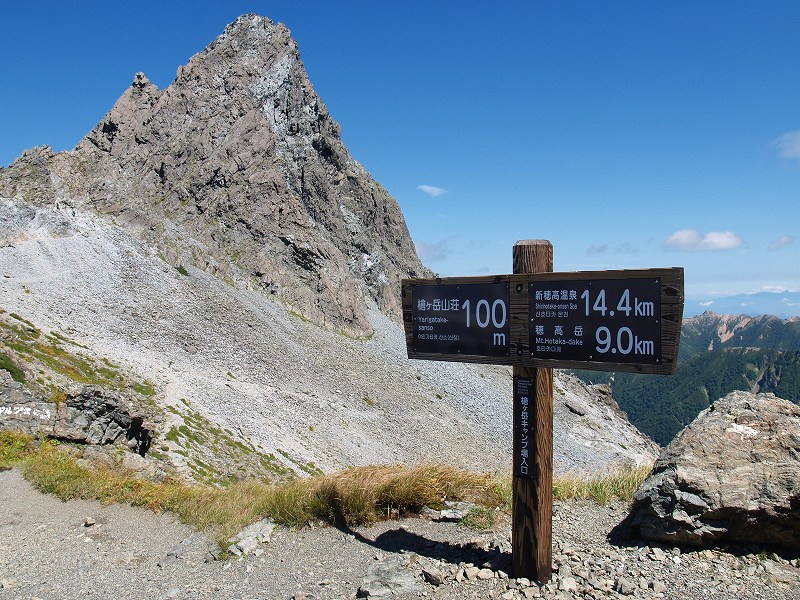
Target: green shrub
x=16, y=373
x=13, y=448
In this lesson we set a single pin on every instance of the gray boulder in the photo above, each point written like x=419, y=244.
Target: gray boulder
x=731, y=477
x=87, y=414
x=249, y=539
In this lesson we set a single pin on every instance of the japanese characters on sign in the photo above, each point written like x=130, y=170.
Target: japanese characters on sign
x=469, y=319
x=611, y=320
x=523, y=440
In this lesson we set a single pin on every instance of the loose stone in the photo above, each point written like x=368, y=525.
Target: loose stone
x=625, y=586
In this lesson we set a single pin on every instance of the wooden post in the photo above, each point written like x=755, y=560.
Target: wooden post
x=532, y=504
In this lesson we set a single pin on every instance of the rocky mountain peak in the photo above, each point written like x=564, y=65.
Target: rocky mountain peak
x=238, y=168
x=141, y=81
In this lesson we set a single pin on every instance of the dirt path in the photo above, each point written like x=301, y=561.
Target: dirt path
x=48, y=551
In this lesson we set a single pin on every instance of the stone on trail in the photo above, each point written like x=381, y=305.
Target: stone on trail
x=455, y=511
x=249, y=538
x=625, y=586
x=433, y=576
x=388, y=577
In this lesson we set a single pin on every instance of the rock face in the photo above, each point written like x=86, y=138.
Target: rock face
x=590, y=423
x=731, y=477
x=238, y=168
x=86, y=415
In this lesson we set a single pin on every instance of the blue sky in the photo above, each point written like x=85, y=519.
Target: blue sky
x=630, y=134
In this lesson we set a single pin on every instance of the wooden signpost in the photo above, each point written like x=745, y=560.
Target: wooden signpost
x=537, y=320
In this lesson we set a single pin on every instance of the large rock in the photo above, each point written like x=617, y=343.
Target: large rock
x=85, y=415
x=731, y=477
x=239, y=169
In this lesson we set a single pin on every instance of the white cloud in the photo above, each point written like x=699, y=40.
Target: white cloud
x=684, y=239
x=433, y=253
x=432, y=190
x=595, y=249
x=624, y=248
x=784, y=240
x=709, y=303
x=789, y=145
x=691, y=239
x=724, y=240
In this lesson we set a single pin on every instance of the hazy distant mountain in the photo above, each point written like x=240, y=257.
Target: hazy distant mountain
x=780, y=304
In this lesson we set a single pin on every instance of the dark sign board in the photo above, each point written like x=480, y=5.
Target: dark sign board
x=601, y=320
x=604, y=320
x=461, y=319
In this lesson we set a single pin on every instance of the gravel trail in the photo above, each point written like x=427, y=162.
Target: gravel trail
x=80, y=549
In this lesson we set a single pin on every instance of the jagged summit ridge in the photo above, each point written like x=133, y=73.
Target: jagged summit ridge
x=237, y=167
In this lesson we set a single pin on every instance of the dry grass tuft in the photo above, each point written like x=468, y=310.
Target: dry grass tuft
x=621, y=484
x=352, y=497
x=361, y=495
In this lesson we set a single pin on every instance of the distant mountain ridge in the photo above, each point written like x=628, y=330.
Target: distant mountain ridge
x=784, y=305
x=711, y=331
x=238, y=168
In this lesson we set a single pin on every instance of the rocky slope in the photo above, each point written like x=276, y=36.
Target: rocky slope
x=223, y=357
x=238, y=169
